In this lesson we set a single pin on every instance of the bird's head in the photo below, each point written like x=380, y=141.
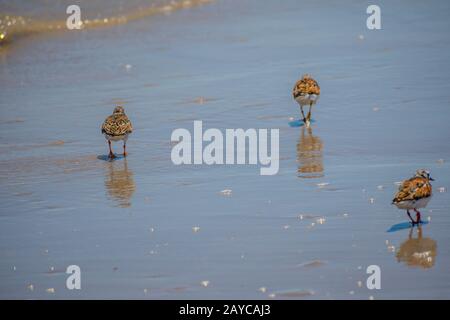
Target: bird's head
x=118, y=110
x=424, y=174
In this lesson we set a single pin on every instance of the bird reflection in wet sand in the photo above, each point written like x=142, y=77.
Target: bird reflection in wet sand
x=417, y=252
x=309, y=155
x=119, y=183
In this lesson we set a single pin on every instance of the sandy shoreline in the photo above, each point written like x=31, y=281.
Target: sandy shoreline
x=307, y=233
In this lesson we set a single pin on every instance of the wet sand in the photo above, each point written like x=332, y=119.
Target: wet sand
x=143, y=228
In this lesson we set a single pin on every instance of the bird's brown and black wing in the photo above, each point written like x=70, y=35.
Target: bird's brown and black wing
x=305, y=86
x=413, y=189
x=117, y=125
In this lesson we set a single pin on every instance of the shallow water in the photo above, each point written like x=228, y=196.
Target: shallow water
x=308, y=232
x=21, y=19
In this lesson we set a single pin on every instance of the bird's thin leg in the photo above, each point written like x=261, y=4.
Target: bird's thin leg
x=418, y=220
x=303, y=114
x=409, y=215
x=124, y=149
x=308, y=117
x=111, y=154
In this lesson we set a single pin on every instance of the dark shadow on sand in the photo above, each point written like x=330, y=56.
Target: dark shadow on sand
x=105, y=157
x=404, y=225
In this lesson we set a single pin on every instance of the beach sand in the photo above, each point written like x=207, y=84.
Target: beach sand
x=144, y=228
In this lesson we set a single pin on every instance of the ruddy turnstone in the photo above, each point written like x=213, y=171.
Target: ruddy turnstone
x=414, y=193
x=306, y=92
x=117, y=127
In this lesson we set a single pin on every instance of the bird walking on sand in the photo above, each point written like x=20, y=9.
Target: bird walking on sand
x=117, y=127
x=306, y=92
x=414, y=193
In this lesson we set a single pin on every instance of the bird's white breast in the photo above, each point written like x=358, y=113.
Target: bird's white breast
x=116, y=138
x=413, y=204
x=306, y=99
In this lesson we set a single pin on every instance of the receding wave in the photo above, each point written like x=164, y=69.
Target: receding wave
x=18, y=19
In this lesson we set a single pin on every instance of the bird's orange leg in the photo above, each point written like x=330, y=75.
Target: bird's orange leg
x=125, y=149
x=418, y=220
x=111, y=154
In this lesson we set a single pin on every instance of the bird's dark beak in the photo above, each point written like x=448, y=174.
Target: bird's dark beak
x=431, y=179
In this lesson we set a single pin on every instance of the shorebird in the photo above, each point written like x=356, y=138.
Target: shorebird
x=117, y=127
x=414, y=193
x=306, y=92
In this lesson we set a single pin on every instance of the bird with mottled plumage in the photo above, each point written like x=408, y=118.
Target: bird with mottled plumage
x=306, y=92
x=117, y=127
x=414, y=193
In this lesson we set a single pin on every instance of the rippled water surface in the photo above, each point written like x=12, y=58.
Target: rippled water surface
x=142, y=227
